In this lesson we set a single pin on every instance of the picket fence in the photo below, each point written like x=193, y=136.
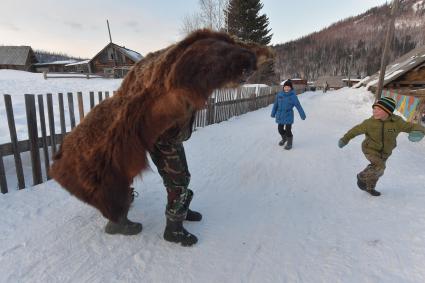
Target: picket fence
x=45, y=136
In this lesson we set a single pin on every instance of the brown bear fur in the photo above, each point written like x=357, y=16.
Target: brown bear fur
x=98, y=160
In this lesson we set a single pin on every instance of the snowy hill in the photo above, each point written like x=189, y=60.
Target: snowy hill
x=270, y=215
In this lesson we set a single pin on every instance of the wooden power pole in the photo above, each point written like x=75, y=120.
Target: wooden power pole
x=109, y=30
x=388, y=39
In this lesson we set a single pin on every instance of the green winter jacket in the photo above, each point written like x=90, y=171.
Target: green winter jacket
x=381, y=135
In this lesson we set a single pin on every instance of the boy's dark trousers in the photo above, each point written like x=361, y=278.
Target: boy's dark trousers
x=371, y=174
x=285, y=130
x=286, y=133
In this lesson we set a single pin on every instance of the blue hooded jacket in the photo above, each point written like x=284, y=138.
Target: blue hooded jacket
x=283, y=107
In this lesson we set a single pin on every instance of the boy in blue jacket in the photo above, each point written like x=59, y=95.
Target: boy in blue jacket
x=284, y=113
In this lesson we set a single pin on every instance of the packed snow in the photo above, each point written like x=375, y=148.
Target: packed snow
x=270, y=215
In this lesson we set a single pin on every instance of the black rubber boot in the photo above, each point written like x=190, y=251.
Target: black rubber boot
x=193, y=215
x=288, y=145
x=283, y=141
x=123, y=227
x=176, y=233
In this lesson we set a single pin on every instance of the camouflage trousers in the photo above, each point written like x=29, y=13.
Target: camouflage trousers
x=170, y=159
x=371, y=174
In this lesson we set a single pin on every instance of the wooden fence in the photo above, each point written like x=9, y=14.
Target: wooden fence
x=48, y=131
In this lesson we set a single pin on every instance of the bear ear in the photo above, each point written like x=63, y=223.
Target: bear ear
x=264, y=54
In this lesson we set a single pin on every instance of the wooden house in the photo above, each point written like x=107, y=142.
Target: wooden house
x=113, y=60
x=332, y=82
x=52, y=67
x=299, y=85
x=350, y=82
x=17, y=57
x=404, y=80
x=78, y=67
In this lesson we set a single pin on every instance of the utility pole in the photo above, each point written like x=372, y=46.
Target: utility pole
x=349, y=69
x=388, y=39
x=113, y=48
x=109, y=30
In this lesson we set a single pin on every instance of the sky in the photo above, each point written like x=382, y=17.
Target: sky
x=78, y=27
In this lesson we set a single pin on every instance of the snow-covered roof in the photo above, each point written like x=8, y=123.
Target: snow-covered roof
x=397, y=68
x=133, y=55
x=78, y=63
x=14, y=55
x=60, y=62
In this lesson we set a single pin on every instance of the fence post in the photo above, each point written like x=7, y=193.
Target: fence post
x=62, y=115
x=33, y=138
x=80, y=105
x=14, y=140
x=44, y=134
x=3, y=182
x=71, y=109
x=210, y=110
x=51, y=123
x=91, y=100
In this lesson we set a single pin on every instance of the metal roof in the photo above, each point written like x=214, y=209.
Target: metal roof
x=14, y=55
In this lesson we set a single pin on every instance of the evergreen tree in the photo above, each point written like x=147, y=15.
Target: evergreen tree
x=244, y=21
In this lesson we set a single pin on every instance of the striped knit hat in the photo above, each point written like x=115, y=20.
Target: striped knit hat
x=386, y=103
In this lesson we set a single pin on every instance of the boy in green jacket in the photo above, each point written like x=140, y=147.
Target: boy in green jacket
x=381, y=131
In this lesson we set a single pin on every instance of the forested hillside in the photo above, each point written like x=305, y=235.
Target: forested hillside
x=47, y=56
x=328, y=52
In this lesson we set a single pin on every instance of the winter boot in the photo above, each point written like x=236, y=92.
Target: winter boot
x=288, y=145
x=283, y=141
x=176, y=233
x=373, y=192
x=361, y=184
x=123, y=227
x=193, y=215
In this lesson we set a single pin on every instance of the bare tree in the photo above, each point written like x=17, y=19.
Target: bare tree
x=211, y=15
x=191, y=23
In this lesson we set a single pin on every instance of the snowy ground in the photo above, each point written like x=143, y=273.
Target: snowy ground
x=270, y=215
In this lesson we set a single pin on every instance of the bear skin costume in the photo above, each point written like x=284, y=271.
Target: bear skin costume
x=99, y=158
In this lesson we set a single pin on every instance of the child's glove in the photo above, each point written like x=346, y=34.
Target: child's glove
x=341, y=143
x=416, y=136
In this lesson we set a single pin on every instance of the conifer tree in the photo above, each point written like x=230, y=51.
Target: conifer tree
x=244, y=21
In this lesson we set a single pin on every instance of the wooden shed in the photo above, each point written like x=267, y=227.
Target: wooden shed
x=53, y=67
x=404, y=80
x=17, y=58
x=113, y=60
x=78, y=67
x=332, y=82
x=299, y=85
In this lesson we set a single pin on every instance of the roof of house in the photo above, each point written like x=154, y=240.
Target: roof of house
x=62, y=62
x=78, y=63
x=14, y=55
x=133, y=55
x=397, y=68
